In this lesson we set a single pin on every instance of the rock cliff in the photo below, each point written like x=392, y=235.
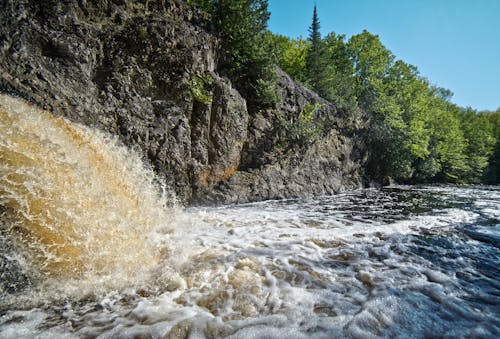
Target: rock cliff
x=147, y=72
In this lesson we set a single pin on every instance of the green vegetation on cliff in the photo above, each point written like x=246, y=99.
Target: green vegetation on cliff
x=413, y=132
x=242, y=26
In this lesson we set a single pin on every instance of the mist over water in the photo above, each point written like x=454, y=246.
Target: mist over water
x=88, y=249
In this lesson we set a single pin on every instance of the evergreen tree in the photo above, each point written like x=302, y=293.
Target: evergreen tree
x=242, y=25
x=315, y=59
x=314, y=34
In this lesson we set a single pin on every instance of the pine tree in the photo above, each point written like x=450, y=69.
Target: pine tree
x=315, y=60
x=314, y=34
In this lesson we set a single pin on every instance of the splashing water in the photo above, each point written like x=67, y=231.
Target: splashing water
x=81, y=215
x=78, y=203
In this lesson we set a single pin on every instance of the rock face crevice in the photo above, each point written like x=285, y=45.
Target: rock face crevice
x=147, y=72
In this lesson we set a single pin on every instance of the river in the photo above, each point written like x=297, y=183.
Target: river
x=89, y=247
x=394, y=262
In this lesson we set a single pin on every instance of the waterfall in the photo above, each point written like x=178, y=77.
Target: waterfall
x=74, y=199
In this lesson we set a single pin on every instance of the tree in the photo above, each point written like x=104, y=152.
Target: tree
x=242, y=25
x=480, y=142
x=409, y=91
x=315, y=64
x=340, y=81
x=371, y=61
x=386, y=128
x=447, y=144
x=290, y=55
x=492, y=173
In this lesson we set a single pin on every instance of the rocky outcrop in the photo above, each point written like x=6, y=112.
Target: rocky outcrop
x=332, y=163
x=147, y=72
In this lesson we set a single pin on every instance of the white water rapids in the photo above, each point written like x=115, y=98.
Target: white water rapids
x=88, y=249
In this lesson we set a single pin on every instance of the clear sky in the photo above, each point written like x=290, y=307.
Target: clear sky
x=454, y=43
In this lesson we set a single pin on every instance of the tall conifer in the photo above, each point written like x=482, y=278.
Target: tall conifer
x=314, y=61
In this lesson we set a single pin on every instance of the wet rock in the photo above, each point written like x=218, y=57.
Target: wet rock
x=325, y=310
x=366, y=279
x=180, y=330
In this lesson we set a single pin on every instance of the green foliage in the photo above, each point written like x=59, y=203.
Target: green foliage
x=265, y=91
x=408, y=92
x=143, y=33
x=204, y=5
x=447, y=143
x=199, y=87
x=492, y=172
x=339, y=82
x=314, y=34
x=316, y=67
x=294, y=59
x=242, y=25
x=415, y=133
x=290, y=55
x=245, y=60
x=301, y=131
x=394, y=140
x=371, y=61
x=480, y=142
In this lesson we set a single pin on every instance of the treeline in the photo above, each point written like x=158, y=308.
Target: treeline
x=414, y=133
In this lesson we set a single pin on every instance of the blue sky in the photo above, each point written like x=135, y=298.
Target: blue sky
x=454, y=43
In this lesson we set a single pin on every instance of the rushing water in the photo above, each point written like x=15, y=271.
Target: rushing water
x=95, y=252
